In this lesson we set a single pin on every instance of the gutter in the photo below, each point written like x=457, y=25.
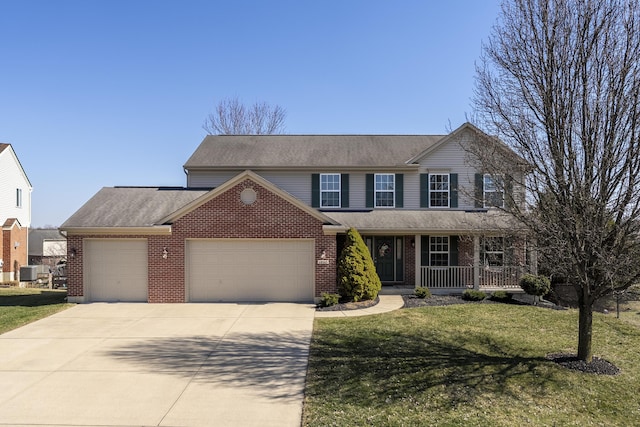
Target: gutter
x=118, y=231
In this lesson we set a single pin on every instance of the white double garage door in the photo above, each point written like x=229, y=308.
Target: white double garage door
x=224, y=270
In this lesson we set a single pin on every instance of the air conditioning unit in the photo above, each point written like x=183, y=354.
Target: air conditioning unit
x=28, y=273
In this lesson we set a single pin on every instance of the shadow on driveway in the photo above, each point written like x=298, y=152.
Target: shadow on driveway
x=271, y=364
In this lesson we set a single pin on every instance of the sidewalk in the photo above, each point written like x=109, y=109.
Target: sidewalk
x=387, y=303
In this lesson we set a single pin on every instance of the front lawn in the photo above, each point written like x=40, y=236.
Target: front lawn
x=468, y=365
x=19, y=306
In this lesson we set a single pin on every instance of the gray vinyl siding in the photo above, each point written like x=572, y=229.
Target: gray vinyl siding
x=209, y=179
x=451, y=158
x=298, y=184
x=412, y=191
x=357, y=188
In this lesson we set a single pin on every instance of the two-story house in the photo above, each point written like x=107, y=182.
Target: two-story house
x=263, y=218
x=15, y=213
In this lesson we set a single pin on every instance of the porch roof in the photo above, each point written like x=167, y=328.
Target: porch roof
x=428, y=221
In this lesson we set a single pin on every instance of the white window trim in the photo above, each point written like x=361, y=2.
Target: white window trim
x=376, y=191
x=497, y=190
x=18, y=197
x=448, y=191
x=339, y=191
x=447, y=252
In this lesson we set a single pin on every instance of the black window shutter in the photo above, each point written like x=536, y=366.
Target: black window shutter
x=399, y=190
x=315, y=190
x=453, y=190
x=424, y=190
x=344, y=190
x=424, y=250
x=453, y=251
x=479, y=193
x=369, y=190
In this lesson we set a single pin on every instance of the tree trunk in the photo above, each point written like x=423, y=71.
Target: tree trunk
x=585, y=320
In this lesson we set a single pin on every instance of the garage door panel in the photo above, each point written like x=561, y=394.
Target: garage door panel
x=251, y=270
x=116, y=270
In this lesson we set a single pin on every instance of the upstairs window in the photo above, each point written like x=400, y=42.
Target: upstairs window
x=493, y=190
x=385, y=190
x=330, y=190
x=18, y=197
x=439, y=190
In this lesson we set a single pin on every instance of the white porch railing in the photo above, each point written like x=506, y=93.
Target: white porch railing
x=447, y=277
x=462, y=277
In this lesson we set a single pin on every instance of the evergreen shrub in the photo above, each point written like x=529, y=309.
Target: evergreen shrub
x=473, y=295
x=535, y=285
x=357, y=277
x=422, y=292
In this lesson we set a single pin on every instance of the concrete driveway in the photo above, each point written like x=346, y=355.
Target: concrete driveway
x=158, y=365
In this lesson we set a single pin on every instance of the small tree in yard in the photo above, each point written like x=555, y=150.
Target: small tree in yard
x=538, y=286
x=357, y=275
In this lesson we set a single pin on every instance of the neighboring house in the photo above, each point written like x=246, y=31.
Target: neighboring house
x=47, y=247
x=15, y=213
x=263, y=218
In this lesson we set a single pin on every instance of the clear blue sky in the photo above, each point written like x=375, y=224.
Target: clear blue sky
x=97, y=93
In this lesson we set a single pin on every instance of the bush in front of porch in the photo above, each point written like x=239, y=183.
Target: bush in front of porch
x=538, y=286
x=357, y=277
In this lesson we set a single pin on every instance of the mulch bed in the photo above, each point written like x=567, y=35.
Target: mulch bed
x=597, y=366
x=350, y=305
x=412, y=301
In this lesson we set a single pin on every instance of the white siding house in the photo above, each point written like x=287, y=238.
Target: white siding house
x=15, y=212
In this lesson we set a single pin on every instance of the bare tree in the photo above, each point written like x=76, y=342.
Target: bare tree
x=559, y=83
x=232, y=117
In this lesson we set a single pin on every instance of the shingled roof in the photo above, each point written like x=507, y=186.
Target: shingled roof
x=427, y=221
x=131, y=206
x=308, y=151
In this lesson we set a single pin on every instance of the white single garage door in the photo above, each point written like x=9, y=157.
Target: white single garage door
x=250, y=270
x=116, y=270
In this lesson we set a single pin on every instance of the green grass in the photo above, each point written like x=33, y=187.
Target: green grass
x=470, y=365
x=19, y=306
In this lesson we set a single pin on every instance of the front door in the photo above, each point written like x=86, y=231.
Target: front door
x=383, y=257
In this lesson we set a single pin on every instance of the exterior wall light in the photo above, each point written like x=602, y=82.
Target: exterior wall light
x=165, y=253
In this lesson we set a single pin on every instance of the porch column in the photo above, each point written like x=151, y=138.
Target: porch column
x=417, y=255
x=476, y=262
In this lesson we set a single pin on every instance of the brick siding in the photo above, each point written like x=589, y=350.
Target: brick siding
x=409, y=260
x=14, y=257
